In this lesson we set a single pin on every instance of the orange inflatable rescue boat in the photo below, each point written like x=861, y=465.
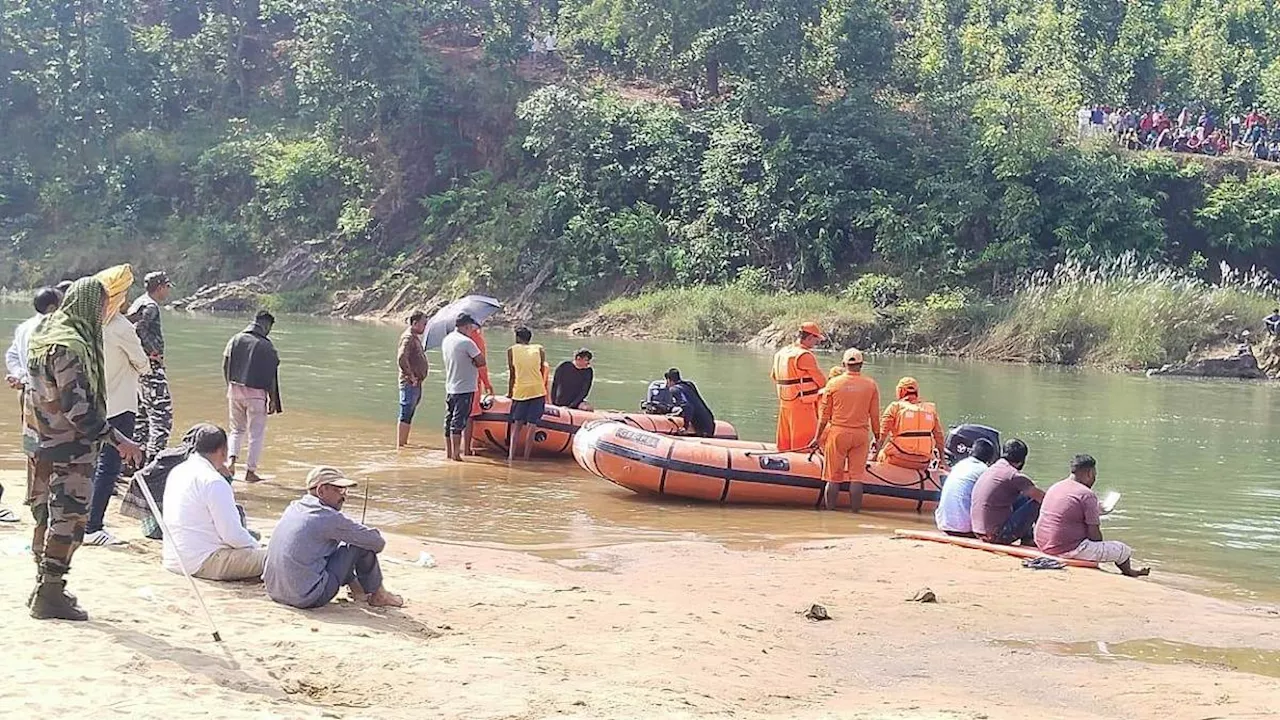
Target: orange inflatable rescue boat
x=555, y=431
x=738, y=471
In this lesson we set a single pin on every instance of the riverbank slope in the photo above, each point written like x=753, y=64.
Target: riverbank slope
x=669, y=629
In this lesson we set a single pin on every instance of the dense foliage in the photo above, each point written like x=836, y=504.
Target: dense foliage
x=784, y=144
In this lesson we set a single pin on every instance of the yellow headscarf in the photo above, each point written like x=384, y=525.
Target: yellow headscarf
x=117, y=280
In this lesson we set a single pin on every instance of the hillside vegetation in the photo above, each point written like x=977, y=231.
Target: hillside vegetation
x=782, y=145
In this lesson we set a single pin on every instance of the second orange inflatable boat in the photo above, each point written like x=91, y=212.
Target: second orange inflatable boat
x=555, y=431
x=737, y=472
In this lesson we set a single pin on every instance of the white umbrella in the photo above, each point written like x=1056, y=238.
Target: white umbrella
x=479, y=307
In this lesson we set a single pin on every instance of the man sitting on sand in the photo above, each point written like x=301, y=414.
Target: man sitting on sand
x=1070, y=521
x=315, y=549
x=956, y=502
x=206, y=535
x=1006, y=502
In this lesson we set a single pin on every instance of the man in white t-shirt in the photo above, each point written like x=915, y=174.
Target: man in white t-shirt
x=462, y=363
x=204, y=532
x=15, y=359
x=953, y=513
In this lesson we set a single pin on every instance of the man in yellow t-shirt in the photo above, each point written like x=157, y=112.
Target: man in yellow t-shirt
x=527, y=390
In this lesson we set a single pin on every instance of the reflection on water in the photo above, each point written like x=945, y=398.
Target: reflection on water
x=1193, y=459
x=1164, y=652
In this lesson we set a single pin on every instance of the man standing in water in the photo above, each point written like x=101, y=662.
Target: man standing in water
x=65, y=425
x=849, y=416
x=798, y=380
x=412, y=360
x=155, y=404
x=250, y=365
x=462, y=360
x=526, y=389
x=1070, y=524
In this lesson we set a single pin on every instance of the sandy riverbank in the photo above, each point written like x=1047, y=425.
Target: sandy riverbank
x=648, y=630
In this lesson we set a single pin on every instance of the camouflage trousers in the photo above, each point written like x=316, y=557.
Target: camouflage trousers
x=58, y=494
x=155, y=412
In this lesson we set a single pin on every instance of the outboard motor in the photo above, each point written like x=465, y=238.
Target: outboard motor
x=960, y=440
x=658, y=400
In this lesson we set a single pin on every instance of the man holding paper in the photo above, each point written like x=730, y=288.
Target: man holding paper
x=1070, y=518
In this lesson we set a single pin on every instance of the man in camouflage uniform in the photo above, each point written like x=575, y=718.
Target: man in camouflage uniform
x=65, y=424
x=155, y=404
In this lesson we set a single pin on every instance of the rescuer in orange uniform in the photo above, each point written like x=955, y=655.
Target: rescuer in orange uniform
x=848, y=417
x=911, y=433
x=798, y=380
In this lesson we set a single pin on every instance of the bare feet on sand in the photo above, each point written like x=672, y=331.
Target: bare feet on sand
x=382, y=598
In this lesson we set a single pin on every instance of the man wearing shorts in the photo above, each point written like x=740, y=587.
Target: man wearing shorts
x=412, y=359
x=462, y=363
x=1070, y=521
x=526, y=389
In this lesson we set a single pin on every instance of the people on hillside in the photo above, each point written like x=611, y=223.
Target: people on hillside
x=1070, y=523
x=687, y=402
x=572, y=381
x=206, y=534
x=316, y=550
x=251, y=369
x=124, y=361
x=155, y=402
x=1005, y=501
x=952, y=516
x=462, y=363
x=527, y=390
x=1272, y=322
x=798, y=380
x=848, y=418
x=65, y=419
x=411, y=358
x=910, y=431
x=483, y=387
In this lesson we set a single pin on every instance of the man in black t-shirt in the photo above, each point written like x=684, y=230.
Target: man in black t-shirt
x=572, y=382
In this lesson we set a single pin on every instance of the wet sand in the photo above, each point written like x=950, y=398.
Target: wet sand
x=672, y=629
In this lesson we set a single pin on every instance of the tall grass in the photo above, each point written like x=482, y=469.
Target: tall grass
x=1124, y=314
x=734, y=314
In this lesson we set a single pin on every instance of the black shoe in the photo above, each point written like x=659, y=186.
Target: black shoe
x=52, y=603
x=40, y=579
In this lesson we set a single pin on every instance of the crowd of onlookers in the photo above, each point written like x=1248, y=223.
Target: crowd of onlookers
x=1202, y=131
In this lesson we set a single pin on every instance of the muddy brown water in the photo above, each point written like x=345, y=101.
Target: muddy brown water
x=1194, y=459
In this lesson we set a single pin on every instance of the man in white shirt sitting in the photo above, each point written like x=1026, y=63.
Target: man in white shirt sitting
x=203, y=525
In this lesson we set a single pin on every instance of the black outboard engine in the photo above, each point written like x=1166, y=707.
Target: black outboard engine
x=658, y=400
x=960, y=440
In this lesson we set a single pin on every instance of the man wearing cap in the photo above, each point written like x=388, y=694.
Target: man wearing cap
x=911, y=433
x=798, y=380
x=315, y=549
x=462, y=363
x=849, y=416
x=155, y=404
x=206, y=535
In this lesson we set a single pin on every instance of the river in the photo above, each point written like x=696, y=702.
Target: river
x=1192, y=458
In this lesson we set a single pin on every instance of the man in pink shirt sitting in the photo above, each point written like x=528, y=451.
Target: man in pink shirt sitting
x=1070, y=517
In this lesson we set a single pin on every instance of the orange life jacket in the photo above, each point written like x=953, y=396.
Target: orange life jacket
x=792, y=382
x=913, y=441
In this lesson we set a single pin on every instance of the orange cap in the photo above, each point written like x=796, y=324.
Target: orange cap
x=907, y=387
x=813, y=329
x=853, y=356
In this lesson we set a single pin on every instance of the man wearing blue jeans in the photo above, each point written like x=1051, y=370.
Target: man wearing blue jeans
x=123, y=361
x=412, y=360
x=315, y=549
x=1006, y=503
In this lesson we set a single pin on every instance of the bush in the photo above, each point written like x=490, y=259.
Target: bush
x=878, y=291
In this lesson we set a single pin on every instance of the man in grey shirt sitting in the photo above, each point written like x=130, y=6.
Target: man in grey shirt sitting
x=315, y=549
